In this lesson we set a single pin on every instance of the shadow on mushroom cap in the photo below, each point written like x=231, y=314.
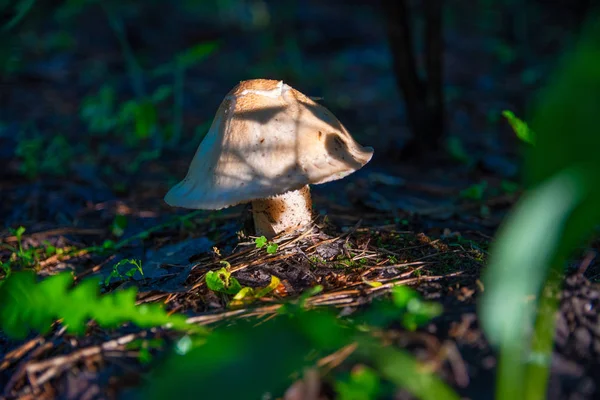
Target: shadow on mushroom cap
x=266, y=139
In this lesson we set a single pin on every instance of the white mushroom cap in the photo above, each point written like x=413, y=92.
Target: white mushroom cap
x=266, y=139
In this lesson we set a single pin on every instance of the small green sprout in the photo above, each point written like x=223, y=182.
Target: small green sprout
x=25, y=258
x=116, y=273
x=272, y=248
x=262, y=242
x=221, y=281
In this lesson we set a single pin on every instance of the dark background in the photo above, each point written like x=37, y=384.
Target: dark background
x=65, y=164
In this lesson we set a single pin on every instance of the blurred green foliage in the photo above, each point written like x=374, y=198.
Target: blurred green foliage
x=31, y=305
x=475, y=191
x=260, y=359
x=140, y=119
x=265, y=358
x=152, y=117
x=415, y=312
x=557, y=213
x=39, y=154
x=118, y=225
x=362, y=383
x=456, y=150
x=135, y=120
x=18, y=9
x=296, y=338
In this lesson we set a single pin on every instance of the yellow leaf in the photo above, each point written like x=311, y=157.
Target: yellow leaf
x=269, y=288
x=372, y=283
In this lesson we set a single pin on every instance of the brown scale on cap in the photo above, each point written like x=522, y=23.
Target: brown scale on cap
x=267, y=143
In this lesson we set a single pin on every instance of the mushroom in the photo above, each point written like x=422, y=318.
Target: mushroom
x=266, y=144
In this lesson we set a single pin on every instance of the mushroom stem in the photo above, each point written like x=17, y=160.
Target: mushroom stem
x=276, y=214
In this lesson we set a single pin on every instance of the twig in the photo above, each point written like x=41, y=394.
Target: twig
x=335, y=359
x=50, y=368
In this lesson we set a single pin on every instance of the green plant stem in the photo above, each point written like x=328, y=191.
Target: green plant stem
x=404, y=371
x=509, y=379
x=538, y=365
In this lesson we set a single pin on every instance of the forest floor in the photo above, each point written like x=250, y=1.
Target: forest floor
x=73, y=183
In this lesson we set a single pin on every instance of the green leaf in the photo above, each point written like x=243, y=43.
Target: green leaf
x=162, y=93
x=456, y=149
x=6, y=267
x=146, y=118
x=272, y=248
x=509, y=187
x=19, y=232
x=57, y=156
x=402, y=296
x=298, y=340
x=553, y=218
x=244, y=293
x=417, y=311
x=214, y=281
x=474, y=192
x=97, y=110
x=566, y=117
x=31, y=152
x=525, y=247
x=309, y=293
x=404, y=371
x=260, y=242
x=116, y=270
x=118, y=225
x=108, y=244
x=276, y=348
x=363, y=383
x=196, y=54
x=222, y=281
x=521, y=128
x=30, y=305
x=144, y=355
